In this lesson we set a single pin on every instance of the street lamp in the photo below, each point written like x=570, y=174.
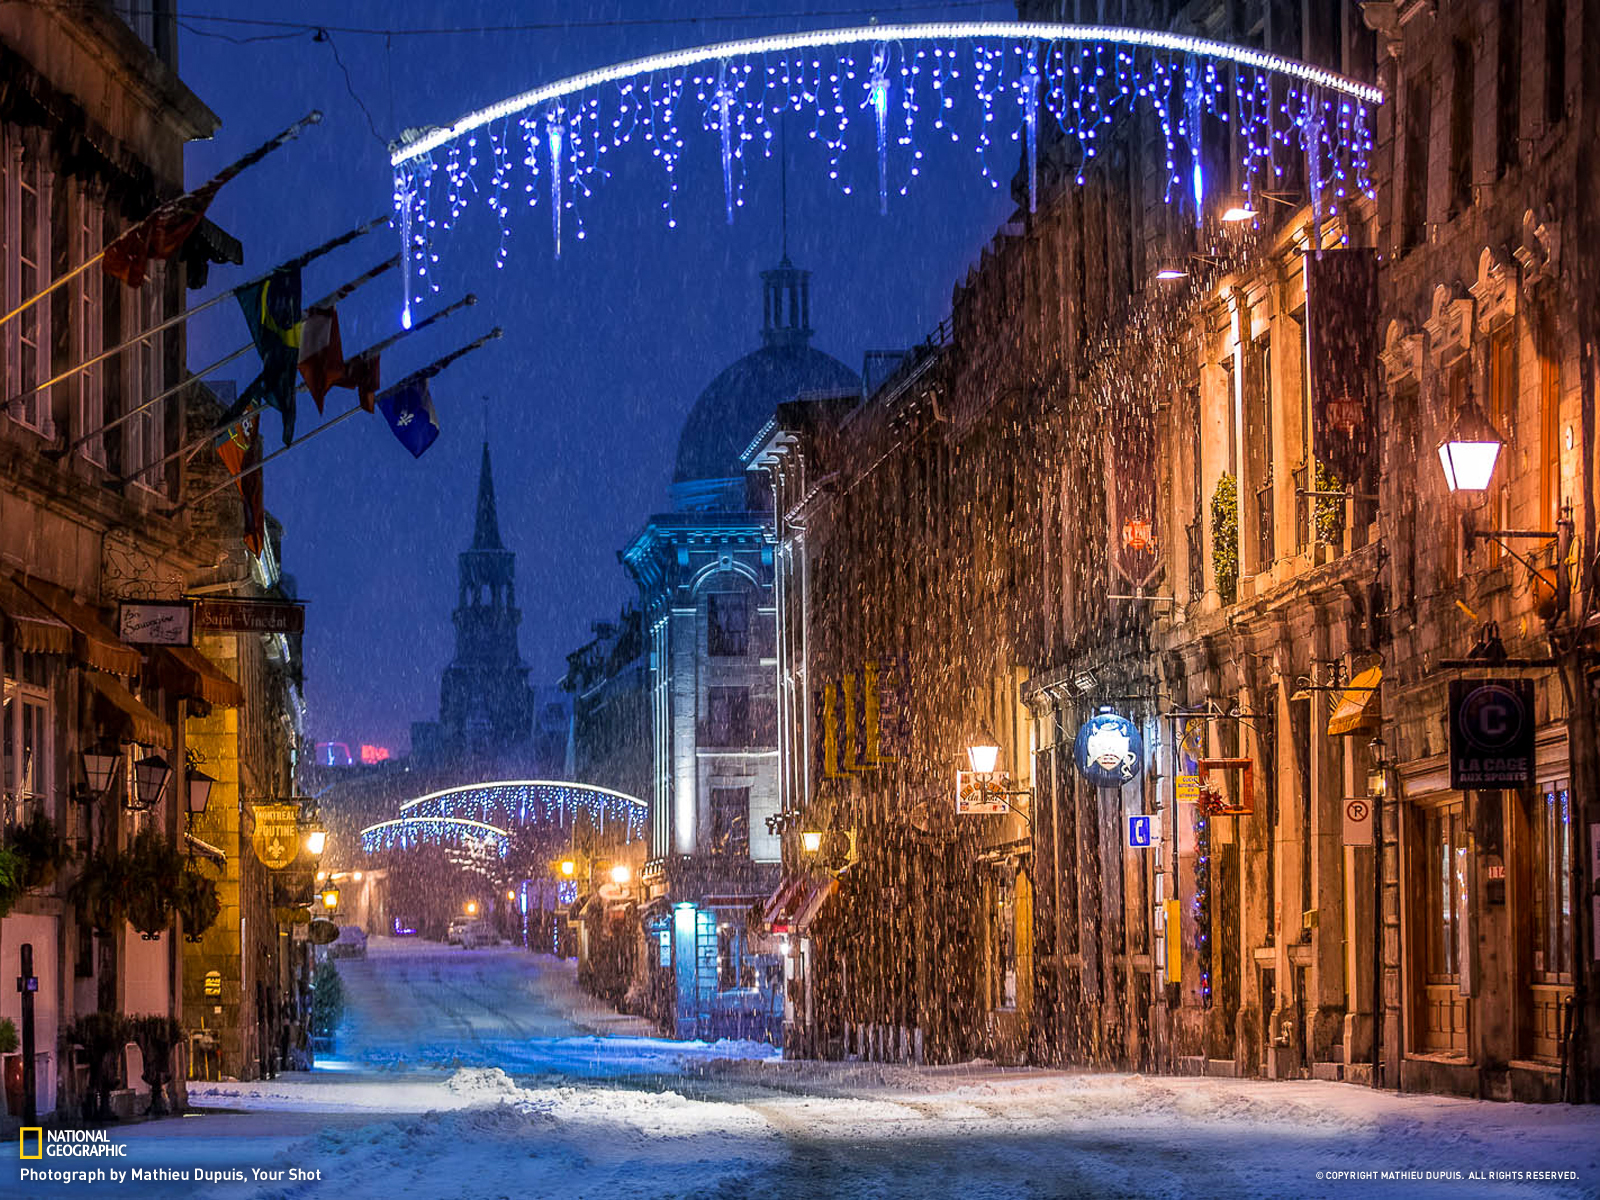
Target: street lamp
x=199, y=790
x=620, y=874
x=98, y=768
x=150, y=775
x=472, y=908
x=983, y=753
x=811, y=840
x=330, y=898
x=1470, y=451
x=569, y=868
x=316, y=841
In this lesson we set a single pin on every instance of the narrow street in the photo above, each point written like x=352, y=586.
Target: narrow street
x=486, y=1073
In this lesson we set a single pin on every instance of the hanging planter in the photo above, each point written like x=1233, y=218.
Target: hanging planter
x=1225, y=538
x=100, y=891
x=42, y=852
x=197, y=902
x=154, y=872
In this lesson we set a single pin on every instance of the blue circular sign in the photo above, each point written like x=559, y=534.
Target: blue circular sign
x=1108, y=750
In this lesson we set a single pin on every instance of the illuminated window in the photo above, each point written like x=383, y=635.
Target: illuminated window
x=1445, y=890
x=26, y=738
x=1552, y=885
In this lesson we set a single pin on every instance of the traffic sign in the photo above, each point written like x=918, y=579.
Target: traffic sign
x=1358, y=821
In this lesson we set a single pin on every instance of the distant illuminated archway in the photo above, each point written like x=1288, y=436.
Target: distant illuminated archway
x=496, y=815
x=903, y=84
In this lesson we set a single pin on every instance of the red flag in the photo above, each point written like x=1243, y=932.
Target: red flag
x=240, y=447
x=321, y=355
x=160, y=235
x=361, y=374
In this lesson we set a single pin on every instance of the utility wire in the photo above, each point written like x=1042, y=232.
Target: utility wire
x=300, y=27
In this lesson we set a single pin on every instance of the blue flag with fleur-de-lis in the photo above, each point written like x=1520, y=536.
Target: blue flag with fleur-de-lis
x=409, y=410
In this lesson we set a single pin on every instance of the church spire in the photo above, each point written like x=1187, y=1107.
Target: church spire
x=486, y=530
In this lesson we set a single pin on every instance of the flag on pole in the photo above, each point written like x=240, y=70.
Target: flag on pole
x=272, y=310
x=409, y=411
x=238, y=448
x=321, y=354
x=160, y=235
x=362, y=374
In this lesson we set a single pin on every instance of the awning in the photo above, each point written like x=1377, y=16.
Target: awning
x=93, y=641
x=128, y=711
x=34, y=629
x=205, y=849
x=1358, y=706
x=189, y=673
x=796, y=903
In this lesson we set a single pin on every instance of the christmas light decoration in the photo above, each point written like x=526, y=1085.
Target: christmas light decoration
x=959, y=80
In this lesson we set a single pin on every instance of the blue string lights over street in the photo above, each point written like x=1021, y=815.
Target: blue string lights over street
x=964, y=81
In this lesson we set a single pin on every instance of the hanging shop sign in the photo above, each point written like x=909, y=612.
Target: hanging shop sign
x=1227, y=787
x=213, y=983
x=276, y=840
x=1491, y=733
x=155, y=624
x=248, y=616
x=1108, y=750
x=979, y=795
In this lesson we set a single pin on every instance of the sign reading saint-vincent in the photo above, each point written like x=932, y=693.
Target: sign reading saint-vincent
x=1491, y=733
x=248, y=616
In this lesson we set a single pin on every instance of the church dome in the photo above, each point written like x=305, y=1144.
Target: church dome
x=739, y=401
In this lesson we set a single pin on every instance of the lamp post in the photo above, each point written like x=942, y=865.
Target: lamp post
x=150, y=775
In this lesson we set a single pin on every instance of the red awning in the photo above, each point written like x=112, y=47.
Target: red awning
x=796, y=903
x=34, y=628
x=93, y=642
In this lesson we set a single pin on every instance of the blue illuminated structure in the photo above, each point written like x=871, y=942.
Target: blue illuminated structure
x=965, y=81
x=491, y=814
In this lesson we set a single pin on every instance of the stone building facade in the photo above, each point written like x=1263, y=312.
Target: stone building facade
x=1107, y=490
x=705, y=576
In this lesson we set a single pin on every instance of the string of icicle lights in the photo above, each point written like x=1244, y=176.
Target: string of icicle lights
x=986, y=84
x=522, y=802
x=408, y=832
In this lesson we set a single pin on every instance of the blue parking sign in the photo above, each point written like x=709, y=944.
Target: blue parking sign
x=1139, y=832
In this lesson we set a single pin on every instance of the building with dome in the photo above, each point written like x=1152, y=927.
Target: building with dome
x=705, y=577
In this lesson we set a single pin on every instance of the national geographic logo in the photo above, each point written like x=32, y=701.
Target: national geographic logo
x=34, y=1142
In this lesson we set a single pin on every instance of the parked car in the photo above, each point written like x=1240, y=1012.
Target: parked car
x=351, y=943
x=469, y=933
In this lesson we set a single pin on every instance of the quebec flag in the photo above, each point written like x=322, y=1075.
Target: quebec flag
x=409, y=411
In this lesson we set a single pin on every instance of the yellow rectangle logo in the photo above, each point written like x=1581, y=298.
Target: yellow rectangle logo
x=38, y=1141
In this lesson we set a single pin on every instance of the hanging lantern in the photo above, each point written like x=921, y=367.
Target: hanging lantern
x=199, y=790
x=150, y=775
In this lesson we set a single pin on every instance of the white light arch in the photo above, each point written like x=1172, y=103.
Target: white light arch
x=552, y=144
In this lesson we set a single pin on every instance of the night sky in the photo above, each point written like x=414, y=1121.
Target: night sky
x=605, y=350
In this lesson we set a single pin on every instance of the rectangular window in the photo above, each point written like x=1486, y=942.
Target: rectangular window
x=728, y=624
x=145, y=432
x=1258, y=419
x=1418, y=136
x=27, y=739
x=1508, y=85
x=730, y=822
x=1445, y=890
x=1502, y=415
x=25, y=201
x=1549, y=424
x=1004, y=930
x=727, y=716
x=1461, y=84
x=1555, y=61
x=1552, y=885
x=90, y=327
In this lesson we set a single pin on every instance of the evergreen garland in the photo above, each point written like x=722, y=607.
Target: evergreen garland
x=1225, y=538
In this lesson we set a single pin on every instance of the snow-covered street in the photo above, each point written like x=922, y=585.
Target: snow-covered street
x=487, y=1073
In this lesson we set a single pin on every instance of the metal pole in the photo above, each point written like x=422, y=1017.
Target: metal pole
x=28, y=985
x=180, y=318
x=212, y=184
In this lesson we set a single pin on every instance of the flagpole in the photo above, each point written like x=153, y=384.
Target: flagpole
x=216, y=181
x=427, y=372
x=180, y=318
x=212, y=435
